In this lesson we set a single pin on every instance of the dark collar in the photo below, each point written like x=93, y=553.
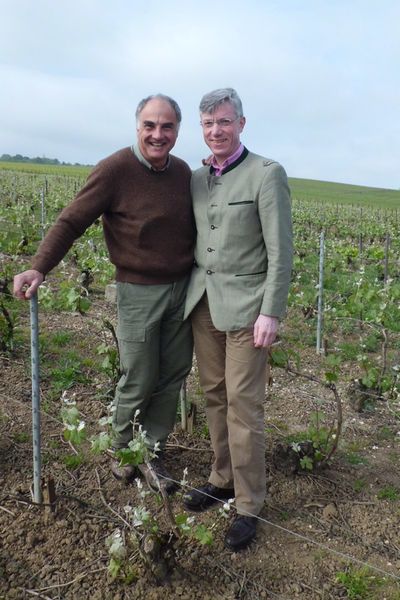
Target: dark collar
x=232, y=165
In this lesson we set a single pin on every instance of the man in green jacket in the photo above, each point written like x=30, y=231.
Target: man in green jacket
x=142, y=194
x=236, y=295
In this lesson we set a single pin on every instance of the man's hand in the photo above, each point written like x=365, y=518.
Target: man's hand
x=26, y=284
x=206, y=162
x=265, y=330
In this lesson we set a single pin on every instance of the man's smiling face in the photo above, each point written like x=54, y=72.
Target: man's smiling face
x=221, y=131
x=157, y=131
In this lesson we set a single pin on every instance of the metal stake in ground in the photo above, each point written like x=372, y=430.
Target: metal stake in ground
x=320, y=293
x=37, y=494
x=43, y=212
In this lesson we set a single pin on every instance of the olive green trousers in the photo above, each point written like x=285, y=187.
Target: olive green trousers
x=156, y=347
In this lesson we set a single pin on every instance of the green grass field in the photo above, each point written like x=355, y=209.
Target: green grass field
x=343, y=193
x=70, y=170
x=307, y=190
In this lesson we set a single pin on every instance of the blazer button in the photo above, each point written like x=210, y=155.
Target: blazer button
x=213, y=227
x=209, y=272
x=210, y=249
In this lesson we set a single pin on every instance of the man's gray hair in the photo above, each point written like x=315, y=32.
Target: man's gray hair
x=212, y=100
x=171, y=102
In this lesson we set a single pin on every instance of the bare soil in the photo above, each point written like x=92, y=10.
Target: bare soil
x=313, y=526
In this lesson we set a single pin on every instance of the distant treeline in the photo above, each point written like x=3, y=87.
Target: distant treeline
x=39, y=160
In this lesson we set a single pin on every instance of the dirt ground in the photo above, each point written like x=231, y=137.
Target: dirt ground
x=313, y=526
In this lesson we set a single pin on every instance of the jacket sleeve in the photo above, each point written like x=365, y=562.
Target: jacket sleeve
x=276, y=222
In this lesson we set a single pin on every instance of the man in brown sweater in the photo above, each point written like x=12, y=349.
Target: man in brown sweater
x=143, y=196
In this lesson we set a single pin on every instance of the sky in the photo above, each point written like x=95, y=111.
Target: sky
x=319, y=79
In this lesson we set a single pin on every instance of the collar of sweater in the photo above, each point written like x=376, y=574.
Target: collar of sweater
x=136, y=151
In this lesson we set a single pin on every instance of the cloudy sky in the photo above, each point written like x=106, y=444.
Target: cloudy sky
x=319, y=79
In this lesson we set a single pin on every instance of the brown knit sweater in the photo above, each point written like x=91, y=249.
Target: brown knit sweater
x=147, y=220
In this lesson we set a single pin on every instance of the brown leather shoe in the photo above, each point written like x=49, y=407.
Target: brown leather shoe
x=241, y=533
x=206, y=496
x=157, y=476
x=125, y=473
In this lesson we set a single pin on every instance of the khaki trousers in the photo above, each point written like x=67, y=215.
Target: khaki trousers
x=233, y=377
x=156, y=347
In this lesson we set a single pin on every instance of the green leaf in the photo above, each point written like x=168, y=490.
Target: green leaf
x=84, y=304
x=306, y=463
x=278, y=357
x=128, y=457
x=181, y=519
x=114, y=567
x=101, y=442
x=203, y=535
x=331, y=377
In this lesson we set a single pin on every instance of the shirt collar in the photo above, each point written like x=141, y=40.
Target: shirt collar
x=231, y=159
x=136, y=151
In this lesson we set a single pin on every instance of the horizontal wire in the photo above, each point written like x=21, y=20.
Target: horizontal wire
x=284, y=529
x=293, y=533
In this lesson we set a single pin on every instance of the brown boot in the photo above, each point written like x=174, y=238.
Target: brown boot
x=156, y=476
x=123, y=473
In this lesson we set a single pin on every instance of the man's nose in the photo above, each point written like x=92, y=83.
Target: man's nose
x=157, y=132
x=215, y=128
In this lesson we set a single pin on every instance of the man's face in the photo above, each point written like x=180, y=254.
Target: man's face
x=222, y=139
x=157, y=130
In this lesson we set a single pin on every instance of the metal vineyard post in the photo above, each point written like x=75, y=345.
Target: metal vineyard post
x=37, y=495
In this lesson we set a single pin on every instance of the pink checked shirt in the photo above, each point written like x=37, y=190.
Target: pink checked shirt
x=219, y=168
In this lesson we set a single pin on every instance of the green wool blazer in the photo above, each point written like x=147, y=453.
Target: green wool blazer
x=243, y=253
